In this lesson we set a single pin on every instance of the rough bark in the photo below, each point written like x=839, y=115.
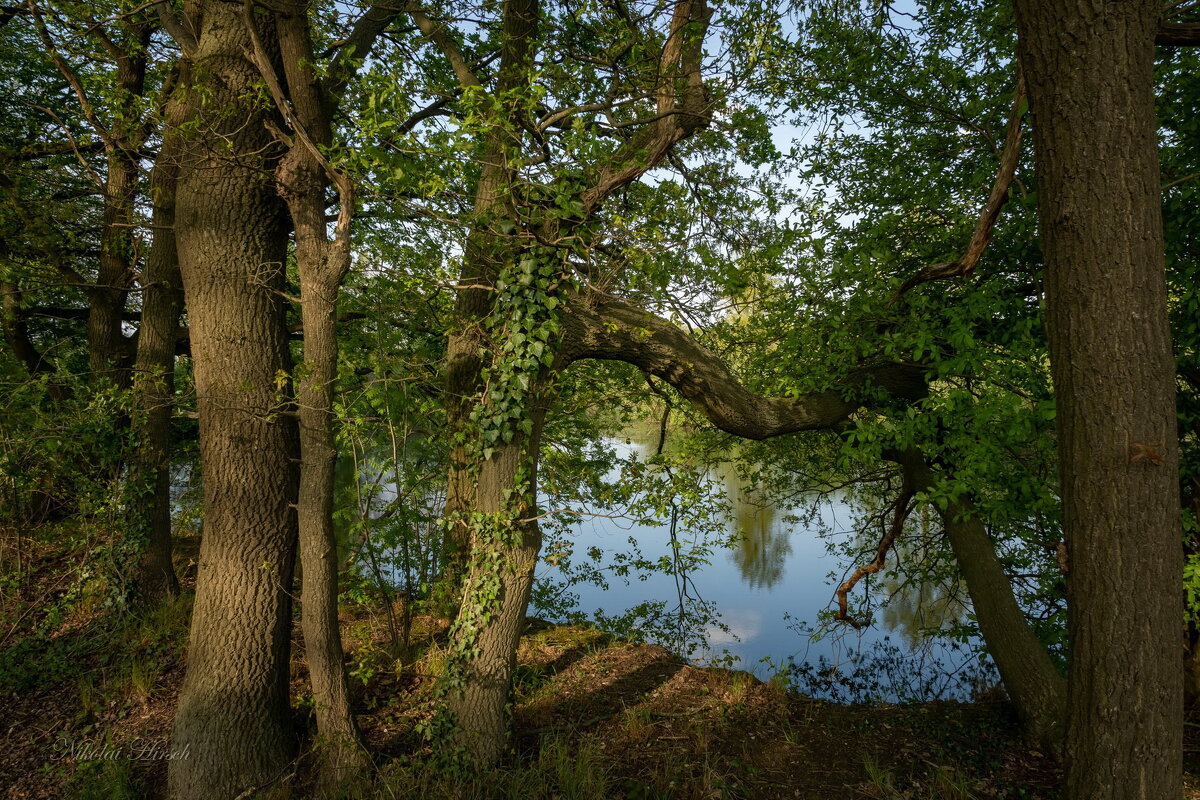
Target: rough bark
x=486, y=250
x=681, y=104
x=233, y=714
x=1089, y=67
x=479, y=707
x=154, y=578
x=302, y=178
x=1038, y=692
x=508, y=477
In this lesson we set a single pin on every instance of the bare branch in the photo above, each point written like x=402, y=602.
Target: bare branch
x=552, y=118
x=359, y=43
x=1178, y=181
x=901, y=508
x=682, y=105
x=176, y=29
x=1177, y=34
x=436, y=108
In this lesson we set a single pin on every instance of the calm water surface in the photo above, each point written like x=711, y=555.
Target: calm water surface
x=768, y=588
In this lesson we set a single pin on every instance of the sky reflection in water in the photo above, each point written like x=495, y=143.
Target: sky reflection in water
x=775, y=577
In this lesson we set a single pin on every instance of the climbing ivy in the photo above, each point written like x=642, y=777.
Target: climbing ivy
x=522, y=333
x=523, y=326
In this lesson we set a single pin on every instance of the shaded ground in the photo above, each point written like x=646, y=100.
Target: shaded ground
x=88, y=707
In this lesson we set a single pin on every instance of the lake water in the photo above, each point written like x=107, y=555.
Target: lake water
x=769, y=588
x=767, y=578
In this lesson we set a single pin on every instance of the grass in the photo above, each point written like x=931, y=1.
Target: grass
x=104, y=780
x=559, y=771
x=941, y=783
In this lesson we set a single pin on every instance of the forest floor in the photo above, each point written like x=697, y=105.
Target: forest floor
x=87, y=708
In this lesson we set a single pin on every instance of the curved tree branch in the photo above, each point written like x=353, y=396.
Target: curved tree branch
x=183, y=35
x=1010, y=155
x=610, y=329
x=901, y=509
x=1178, y=34
x=681, y=105
x=436, y=33
x=359, y=43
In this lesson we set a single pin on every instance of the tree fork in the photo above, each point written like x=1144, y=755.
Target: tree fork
x=302, y=177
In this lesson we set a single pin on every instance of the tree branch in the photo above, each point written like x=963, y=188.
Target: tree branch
x=901, y=508
x=8, y=12
x=1178, y=34
x=33, y=152
x=16, y=331
x=85, y=103
x=176, y=29
x=1010, y=156
x=436, y=33
x=345, y=187
x=682, y=105
x=610, y=329
x=359, y=43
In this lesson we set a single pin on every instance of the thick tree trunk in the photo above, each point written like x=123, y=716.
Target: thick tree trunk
x=1038, y=692
x=233, y=717
x=497, y=512
x=154, y=577
x=1090, y=72
x=485, y=253
x=464, y=365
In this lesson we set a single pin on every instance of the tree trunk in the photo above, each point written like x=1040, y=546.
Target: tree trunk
x=497, y=512
x=464, y=383
x=107, y=356
x=341, y=751
x=233, y=717
x=322, y=266
x=154, y=579
x=485, y=253
x=1038, y=692
x=13, y=323
x=505, y=542
x=1090, y=72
